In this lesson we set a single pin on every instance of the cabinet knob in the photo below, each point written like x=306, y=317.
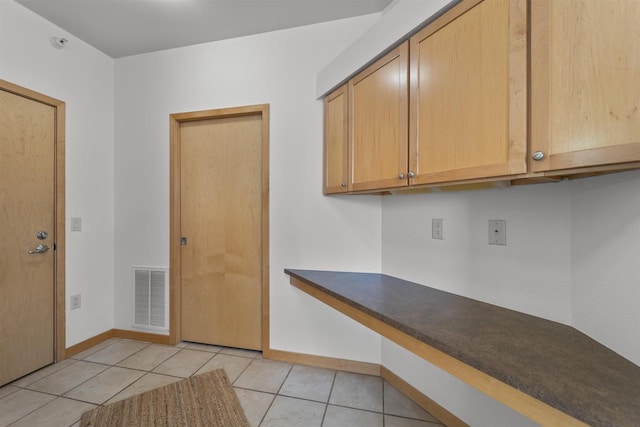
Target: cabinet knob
x=411, y=175
x=344, y=184
x=537, y=156
x=400, y=175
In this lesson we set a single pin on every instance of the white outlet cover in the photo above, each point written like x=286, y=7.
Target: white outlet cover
x=498, y=232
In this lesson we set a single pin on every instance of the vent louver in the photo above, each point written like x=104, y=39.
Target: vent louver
x=150, y=298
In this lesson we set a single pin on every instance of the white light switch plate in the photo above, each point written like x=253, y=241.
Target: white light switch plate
x=76, y=301
x=76, y=223
x=437, y=228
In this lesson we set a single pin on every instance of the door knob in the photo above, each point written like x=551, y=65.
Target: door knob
x=42, y=235
x=40, y=249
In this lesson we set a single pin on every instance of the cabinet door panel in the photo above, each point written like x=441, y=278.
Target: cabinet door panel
x=378, y=123
x=468, y=94
x=585, y=83
x=336, y=141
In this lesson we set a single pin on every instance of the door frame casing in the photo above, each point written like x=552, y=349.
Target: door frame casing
x=175, y=272
x=59, y=315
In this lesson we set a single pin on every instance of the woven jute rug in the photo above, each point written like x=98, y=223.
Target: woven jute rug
x=206, y=400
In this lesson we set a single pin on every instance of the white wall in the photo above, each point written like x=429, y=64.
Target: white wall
x=307, y=230
x=572, y=256
x=465, y=402
x=398, y=20
x=531, y=274
x=605, y=230
x=82, y=77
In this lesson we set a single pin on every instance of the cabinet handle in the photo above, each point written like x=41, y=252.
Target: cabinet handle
x=411, y=175
x=537, y=156
x=344, y=184
x=400, y=175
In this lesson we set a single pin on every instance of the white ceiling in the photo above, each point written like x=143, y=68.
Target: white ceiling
x=129, y=27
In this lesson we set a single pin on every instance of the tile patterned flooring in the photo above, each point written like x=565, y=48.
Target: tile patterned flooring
x=273, y=394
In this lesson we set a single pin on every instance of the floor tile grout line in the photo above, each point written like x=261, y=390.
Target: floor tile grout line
x=285, y=379
x=268, y=409
x=242, y=372
x=164, y=360
x=45, y=367
x=14, y=386
x=101, y=346
x=78, y=385
x=384, y=422
x=34, y=410
x=212, y=355
x=275, y=396
x=326, y=407
x=124, y=358
x=132, y=354
x=120, y=390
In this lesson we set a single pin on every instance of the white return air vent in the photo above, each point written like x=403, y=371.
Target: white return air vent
x=151, y=298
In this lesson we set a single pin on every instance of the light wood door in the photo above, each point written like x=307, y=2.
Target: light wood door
x=221, y=219
x=27, y=155
x=468, y=93
x=585, y=82
x=336, y=143
x=379, y=107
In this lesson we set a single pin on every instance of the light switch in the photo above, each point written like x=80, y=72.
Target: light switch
x=76, y=224
x=76, y=301
x=437, y=228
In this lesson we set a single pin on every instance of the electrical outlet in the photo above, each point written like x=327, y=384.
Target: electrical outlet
x=498, y=232
x=75, y=301
x=437, y=228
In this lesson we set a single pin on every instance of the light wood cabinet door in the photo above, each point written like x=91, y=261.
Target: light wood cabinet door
x=468, y=94
x=378, y=122
x=585, y=69
x=336, y=135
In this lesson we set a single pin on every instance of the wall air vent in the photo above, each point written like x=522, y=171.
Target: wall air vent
x=151, y=298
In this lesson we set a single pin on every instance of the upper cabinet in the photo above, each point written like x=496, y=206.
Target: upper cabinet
x=485, y=92
x=585, y=83
x=336, y=134
x=378, y=120
x=468, y=94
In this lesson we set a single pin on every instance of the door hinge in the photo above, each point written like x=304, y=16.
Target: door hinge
x=183, y=241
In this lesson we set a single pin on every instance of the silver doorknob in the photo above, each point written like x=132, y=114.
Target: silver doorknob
x=40, y=249
x=400, y=175
x=344, y=184
x=42, y=235
x=411, y=175
x=537, y=156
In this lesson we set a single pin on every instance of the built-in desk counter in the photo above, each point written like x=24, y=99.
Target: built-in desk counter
x=549, y=372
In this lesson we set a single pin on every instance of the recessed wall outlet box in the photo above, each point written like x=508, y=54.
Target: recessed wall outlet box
x=75, y=301
x=498, y=232
x=76, y=223
x=437, y=228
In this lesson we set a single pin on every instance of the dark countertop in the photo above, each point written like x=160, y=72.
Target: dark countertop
x=550, y=361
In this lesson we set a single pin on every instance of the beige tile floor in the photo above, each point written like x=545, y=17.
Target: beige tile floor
x=273, y=394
